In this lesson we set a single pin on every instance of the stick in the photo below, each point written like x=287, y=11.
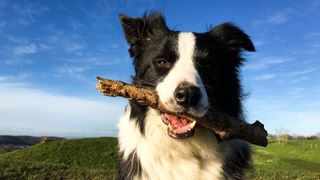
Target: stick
x=225, y=126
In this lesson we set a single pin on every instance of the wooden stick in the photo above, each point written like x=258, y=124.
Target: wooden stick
x=225, y=126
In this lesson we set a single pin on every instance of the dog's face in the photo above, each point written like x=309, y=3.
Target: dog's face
x=192, y=72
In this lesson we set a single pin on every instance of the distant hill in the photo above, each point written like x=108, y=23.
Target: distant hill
x=23, y=140
x=96, y=158
x=12, y=143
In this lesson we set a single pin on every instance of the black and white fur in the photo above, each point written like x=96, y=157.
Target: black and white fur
x=163, y=59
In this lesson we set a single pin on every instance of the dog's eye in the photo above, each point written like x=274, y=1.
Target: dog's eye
x=163, y=63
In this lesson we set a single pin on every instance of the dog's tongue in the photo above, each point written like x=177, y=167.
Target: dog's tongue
x=175, y=121
x=178, y=127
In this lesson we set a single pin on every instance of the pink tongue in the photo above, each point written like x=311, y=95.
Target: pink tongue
x=175, y=121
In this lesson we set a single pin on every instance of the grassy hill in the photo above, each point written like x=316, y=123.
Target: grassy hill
x=96, y=158
x=89, y=158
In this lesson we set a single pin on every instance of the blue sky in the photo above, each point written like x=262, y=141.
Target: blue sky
x=51, y=52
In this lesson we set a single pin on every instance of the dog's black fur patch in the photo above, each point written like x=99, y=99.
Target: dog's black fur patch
x=129, y=167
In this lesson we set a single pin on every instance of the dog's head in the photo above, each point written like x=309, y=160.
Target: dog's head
x=192, y=72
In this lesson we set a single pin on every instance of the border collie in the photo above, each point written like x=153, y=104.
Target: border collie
x=194, y=73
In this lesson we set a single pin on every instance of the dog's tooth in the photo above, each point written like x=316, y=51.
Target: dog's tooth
x=193, y=124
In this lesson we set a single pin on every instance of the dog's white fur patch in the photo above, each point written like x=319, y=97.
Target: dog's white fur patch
x=183, y=70
x=165, y=158
x=129, y=134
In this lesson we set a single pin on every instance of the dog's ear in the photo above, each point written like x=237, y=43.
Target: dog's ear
x=141, y=30
x=133, y=28
x=232, y=37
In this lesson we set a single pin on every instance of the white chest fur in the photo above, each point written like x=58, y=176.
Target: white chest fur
x=162, y=157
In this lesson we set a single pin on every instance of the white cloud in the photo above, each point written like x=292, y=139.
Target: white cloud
x=74, y=71
x=279, y=17
x=3, y=78
x=37, y=111
x=72, y=46
x=25, y=50
x=264, y=77
x=16, y=61
x=16, y=39
x=98, y=60
x=68, y=44
x=291, y=12
x=27, y=12
x=312, y=35
x=19, y=77
x=78, y=67
x=301, y=72
x=265, y=62
x=299, y=75
x=44, y=46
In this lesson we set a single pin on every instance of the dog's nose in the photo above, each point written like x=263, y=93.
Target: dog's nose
x=187, y=95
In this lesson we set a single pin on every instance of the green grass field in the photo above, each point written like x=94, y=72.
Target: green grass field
x=96, y=158
x=89, y=158
x=292, y=160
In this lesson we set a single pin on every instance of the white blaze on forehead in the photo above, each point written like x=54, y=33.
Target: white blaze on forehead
x=183, y=70
x=186, y=46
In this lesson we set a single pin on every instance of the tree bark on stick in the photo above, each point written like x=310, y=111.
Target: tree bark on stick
x=225, y=126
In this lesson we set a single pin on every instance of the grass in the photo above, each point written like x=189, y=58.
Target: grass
x=89, y=158
x=293, y=160
x=18, y=169
x=290, y=156
x=96, y=158
x=2, y=151
x=89, y=152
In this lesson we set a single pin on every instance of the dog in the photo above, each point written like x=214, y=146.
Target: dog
x=191, y=72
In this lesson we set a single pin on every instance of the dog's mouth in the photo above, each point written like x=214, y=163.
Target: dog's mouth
x=178, y=127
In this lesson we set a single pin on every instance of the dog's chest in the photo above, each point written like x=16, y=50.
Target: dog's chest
x=161, y=157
